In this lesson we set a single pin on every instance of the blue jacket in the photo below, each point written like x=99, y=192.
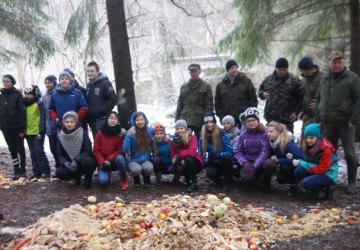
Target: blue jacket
x=292, y=151
x=164, y=152
x=129, y=146
x=50, y=124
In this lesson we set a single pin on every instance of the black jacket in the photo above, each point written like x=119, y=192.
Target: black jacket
x=12, y=110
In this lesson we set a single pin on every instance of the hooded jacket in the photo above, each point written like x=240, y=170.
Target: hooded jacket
x=12, y=110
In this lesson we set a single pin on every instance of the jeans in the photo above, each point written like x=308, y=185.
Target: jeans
x=145, y=168
x=16, y=146
x=118, y=164
x=40, y=163
x=313, y=182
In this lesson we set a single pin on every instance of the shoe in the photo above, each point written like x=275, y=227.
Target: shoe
x=187, y=181
x=351, y=188
x=192, y=187
x=329, y=193
x=176, y=179
x=87, y=182
x=313, y=195
x=44, y=176
x=147, y=182
x=123, y=184
x=291, y=191
x=137, y=182
x=157, y=179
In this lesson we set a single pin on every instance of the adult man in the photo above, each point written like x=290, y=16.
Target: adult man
x=234, y=94
x=338, y=109
x=100, y=96
x=311, y=77
x=283, y=95
x=195, y=100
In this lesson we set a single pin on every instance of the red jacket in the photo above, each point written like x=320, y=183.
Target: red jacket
x=184, y=151
x=106, y=148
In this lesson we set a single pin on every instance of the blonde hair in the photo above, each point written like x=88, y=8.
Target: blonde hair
x=283, y=134
x=215, y=136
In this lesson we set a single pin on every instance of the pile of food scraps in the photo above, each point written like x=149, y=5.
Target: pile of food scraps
x=175, y=222
x=7, y=182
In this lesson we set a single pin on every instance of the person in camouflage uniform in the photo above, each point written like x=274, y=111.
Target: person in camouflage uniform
x=283, y=94
x=234, y=94
x=195, y=99
x=338, y=111
x=311, y=77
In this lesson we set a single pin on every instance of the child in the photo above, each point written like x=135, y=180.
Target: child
x=319, y=169
x=108, y=151
x=74, y=151
x=230, y=129
x=51, y=132
x=161, y=153
x=216, y=149
x=283, y=151
x=35, y=132
x=252, y=149
x=183, y=151
x=137, y=147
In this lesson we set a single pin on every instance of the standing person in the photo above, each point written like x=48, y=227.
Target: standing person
x=51, y=132
x=252, y=151
x=319, y=169
x=338, y=110
x=67, y=98
x=108, y=151
x=217, y=150
x=13, y=123
x=75, y=152
x=100, y=96
x=234, y=94
x=311, y=77
x=195, y=99
x=283, y=151
x=283, y=95
x=137, y=146
x=75, y=82
x=35, y=132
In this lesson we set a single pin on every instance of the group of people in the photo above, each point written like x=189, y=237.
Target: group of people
x=244, y=148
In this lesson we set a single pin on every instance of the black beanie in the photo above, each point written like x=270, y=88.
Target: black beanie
x=209, y=116
x=12, y=79
x=306, y=63
x=52, y=79
x=281, y=63
x=230, y=63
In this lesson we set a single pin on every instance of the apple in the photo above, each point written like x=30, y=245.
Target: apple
x=279, y=221
x=253, y=247
x=162, y=216
x=142, y=225
x=164, y=210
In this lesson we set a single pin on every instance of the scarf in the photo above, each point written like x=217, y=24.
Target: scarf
x=177, y=140
x=275, y=143
x=72, y=141
x=110, y=131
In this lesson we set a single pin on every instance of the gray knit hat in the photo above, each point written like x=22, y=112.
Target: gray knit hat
x=181, y=123
x=65, y=73
x=72, y=115
x=229, y=119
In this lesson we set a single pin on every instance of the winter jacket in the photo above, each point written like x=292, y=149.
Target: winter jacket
x=129, y=145
x=184, y=151
x=163, y=148
x=101, y=97
x=70, y=99
x=212, y=155
x=50, y=124
x=35, y=119
x=324, y=161
x=291, y=151
x=12, y=110
x=338, y=100
x=253, y=147
x=194, y=101
x=106, y=148
x=86, y=150
x=234, y=98
x=285, y=97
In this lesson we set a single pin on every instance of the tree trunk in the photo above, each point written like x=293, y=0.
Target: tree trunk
x=121, y=60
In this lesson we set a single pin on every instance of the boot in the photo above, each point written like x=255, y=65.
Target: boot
x=123, y=184
x=16, y=175
x=176, y=179
x=22, y=172
x=187, y=181
x=137, y=182
x=87, y=182
x=193, y=185
x=291, y=191
x=157, y=179
x=147, y=182
x=329, y=193
x=352, y=172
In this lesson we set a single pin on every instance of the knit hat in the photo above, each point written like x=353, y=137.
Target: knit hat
x=312, y=129
x=69, y=71
x=12, y=79
x=209, y=116
x=194, y=66
x=306, y=63
x=158, y=127
x=181, y=123
x=72, y=115
x=230, y=63
x=281, y=63
x=65, y=73
x=229, y=119
x=251, y=112
x=52, y=79
x=30, y=89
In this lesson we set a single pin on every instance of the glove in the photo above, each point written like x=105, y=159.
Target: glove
x=248, y=171
x=106, y=166
x=295, y=162
x=70, y=167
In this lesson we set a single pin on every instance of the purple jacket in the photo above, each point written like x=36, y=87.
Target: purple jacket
x=252, y=146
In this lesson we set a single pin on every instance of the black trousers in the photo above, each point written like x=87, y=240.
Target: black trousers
x=16, y=146
x=223, y=168
x=87, y=167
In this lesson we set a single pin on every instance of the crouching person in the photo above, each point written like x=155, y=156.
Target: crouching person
x=108, y=151
x=318, y=171
x=74, y=151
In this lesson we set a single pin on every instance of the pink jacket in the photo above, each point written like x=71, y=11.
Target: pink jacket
x=184, y=151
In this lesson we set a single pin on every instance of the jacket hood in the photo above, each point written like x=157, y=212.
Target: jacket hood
x=132, y=120
x=101, y=77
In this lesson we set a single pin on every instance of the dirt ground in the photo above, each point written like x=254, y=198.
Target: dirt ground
x=24, y=205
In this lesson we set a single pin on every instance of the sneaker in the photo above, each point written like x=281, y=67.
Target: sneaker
x=137, y=182
x=291, y=191
x=193, y=186
x=329, y=193
x=123, y=184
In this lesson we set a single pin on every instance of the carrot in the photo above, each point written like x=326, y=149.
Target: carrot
x=22, y=243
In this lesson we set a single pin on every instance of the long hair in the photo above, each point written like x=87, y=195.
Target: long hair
x=215, y=137
x=142, y=136
x=186, y=137
x=283, y=134
x=261, y=128
x=307, y=151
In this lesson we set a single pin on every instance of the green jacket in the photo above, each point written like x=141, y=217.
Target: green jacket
x=234, y=98
x=338, y=99
x=194, y=101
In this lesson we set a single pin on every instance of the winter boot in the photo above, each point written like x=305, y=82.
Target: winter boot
x=193, y=185
x=147, y=182
x=157, y=179
x=291, y=191
x=329, y=193
x=123, y=183
x=352, y=172
x=16, y=175
x=137, y=182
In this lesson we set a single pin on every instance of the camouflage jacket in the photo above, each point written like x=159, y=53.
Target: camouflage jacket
x=195, y=99
x=285, y=97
